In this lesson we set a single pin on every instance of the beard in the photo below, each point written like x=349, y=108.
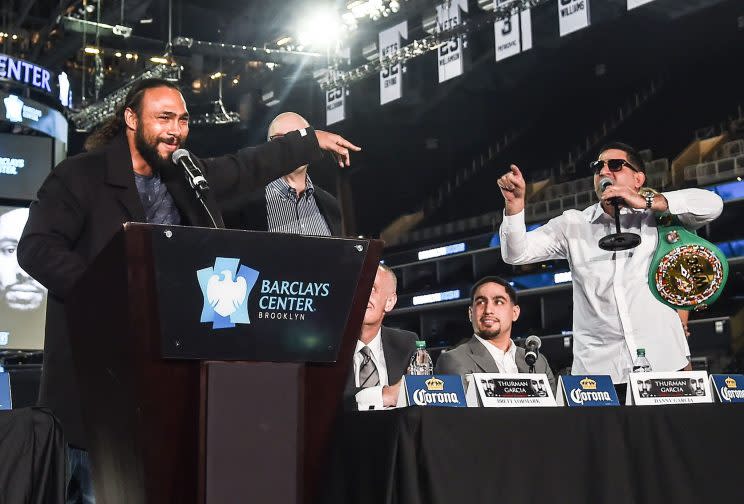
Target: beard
x=22, y=297
x=488, y=334
x=148, y=149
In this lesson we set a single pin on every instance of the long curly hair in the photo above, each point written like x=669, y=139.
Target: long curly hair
x=114, y=126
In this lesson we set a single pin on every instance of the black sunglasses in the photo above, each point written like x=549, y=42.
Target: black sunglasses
x=615, y=165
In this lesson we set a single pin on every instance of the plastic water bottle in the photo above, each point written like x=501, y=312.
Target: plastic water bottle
x=641, y=363
x=421, y=363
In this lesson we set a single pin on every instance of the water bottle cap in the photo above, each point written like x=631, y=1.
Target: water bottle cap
x=641, y=352
x=420, y=344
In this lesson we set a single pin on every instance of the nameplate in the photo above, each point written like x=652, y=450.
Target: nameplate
x=682, y=387
x=498, y=390
x=586, y=391
x=728, y=388
x=6, y=402
x=432, y=390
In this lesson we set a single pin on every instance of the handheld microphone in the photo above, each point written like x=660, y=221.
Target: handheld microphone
x=604, y=183
x=532, y=346
x=193, y=173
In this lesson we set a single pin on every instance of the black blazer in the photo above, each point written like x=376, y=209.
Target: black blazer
x=398, y=346
x=84, y=202
x=252, y=214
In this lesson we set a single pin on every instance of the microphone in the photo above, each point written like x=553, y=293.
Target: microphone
x=532, y=346
x=604, y=183
x=193, y=173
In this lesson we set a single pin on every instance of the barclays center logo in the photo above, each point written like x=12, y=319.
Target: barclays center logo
x=226, y=288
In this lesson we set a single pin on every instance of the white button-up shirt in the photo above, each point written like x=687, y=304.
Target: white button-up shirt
x=371, y=396
x=505, y=361
x=614, y=311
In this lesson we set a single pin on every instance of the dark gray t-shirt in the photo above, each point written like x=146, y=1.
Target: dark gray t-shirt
x=156, y=200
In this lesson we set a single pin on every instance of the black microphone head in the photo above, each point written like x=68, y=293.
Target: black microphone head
x=533, y=342
x=178, y=154
x=604, y=183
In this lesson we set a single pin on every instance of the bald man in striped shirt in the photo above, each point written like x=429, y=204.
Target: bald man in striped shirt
x=290, y=204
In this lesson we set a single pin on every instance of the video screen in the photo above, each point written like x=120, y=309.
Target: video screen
x=25, y=161
x=22, y=299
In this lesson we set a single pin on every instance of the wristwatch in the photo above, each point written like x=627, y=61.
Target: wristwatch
x=649, y=194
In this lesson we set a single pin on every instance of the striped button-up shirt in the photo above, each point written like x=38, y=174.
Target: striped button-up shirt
x=288, y=213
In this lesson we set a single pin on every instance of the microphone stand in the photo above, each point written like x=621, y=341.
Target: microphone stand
x=619, y=240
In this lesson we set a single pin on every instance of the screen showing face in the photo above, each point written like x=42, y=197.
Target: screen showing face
x=22, y=299
x=25, y=161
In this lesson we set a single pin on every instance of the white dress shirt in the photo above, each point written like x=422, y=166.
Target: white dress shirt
x=505, y=361
x=371, y=397
x=614, y=311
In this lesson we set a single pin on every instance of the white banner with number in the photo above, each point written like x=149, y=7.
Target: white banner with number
x=513, y=34
x=335, y=105
x=391, y=81
x=573, y=15
x=450, y=54
x=632, y=4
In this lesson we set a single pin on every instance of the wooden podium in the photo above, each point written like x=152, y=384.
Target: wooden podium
x=183, y=404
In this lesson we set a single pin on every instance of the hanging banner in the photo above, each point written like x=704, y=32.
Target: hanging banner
x=391, y=78
x=632, y=4
x=513, y=34
x=336, y=97
x=335, y=105
x=573, y=15
x=450, y=53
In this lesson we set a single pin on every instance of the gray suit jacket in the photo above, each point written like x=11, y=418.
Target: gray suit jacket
x=473, y=357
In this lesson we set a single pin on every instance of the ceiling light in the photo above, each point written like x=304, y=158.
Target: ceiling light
x=283, y=41
x=92, y=50
x=160, y=60
x=117, y=54
x=322, y=29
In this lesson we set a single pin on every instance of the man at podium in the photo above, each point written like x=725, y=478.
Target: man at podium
x=129, y=175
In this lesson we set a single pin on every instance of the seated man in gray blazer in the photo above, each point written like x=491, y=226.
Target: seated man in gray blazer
x=492, y=311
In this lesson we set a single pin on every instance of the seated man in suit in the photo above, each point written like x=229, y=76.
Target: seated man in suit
x=492, y=311
x=289, y=204
x=382, y=353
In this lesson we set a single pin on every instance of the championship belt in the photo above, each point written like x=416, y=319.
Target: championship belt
x=687, y=272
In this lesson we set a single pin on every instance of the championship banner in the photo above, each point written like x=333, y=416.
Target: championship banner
x=336, y=97
x=335, y=105
x=573, y=15
x=509, y=390
x=450, y=53
x=682, y=387
x=513, y=34
x=632, y=4
x=432, y=390
x=391, y=78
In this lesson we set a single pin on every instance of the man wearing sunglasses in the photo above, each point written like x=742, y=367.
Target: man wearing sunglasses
x=614, y=311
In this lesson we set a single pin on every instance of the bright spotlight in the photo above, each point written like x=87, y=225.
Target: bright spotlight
x=323, y=29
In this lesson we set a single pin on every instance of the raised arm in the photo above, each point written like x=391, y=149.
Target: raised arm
x=517, y=245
